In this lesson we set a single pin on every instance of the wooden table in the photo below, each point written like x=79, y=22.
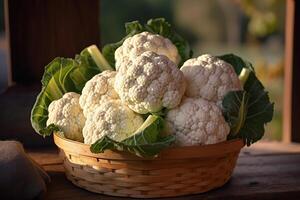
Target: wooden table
x=264, y=171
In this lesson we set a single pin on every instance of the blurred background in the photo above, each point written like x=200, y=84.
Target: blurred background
x=253, y=29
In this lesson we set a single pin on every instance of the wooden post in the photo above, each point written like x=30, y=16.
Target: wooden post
x=291, y=111
x=43, y=30
x=7, y=46
x=288, y=70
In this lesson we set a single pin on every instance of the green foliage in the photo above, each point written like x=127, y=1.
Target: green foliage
x=130, y=10
x=247, y=111
x=237, y=62
x=158, y=26
x=62, y=75
x=49, y=130
x=145, y=142
x=235, y=105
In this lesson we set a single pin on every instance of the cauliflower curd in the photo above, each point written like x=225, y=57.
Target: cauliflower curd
x=112, y=119
x=209, y=77
x=197, y=121
x=67, y=115
x=97, y=91
x=134, y=46
x=149, y=83
x=111, y=102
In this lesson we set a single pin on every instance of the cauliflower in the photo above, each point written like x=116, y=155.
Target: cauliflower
x=136, y=45
x=197, y=121
x=209, y=77
x=112, y=119
x=98, y=90
x=67, y=115
x=149, y=83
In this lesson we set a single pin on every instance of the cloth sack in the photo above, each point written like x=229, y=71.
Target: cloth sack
x=20, y=176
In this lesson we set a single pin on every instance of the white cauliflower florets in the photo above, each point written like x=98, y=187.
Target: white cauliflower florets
x=112, y=119
x=209, y=77
x=97, y=91
x=197, y=121
x=67, y=115
x=134, y=46
x=149, y=83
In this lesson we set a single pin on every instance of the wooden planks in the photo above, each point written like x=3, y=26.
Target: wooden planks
x=42, y=30
x=257, y=175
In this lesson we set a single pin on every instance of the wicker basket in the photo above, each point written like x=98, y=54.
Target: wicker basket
x=175, y=172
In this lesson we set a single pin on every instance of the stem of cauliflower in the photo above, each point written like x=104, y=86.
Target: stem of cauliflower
x=150, y=119
x=244, y=101
x=244, y=75
x=99, y=59
x=242, y=114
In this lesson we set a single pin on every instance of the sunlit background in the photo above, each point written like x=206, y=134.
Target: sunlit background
x=253, y=29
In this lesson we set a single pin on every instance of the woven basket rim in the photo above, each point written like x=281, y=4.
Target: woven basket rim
x=171, y=153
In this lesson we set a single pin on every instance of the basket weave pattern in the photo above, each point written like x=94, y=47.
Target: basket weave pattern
x=175, y=172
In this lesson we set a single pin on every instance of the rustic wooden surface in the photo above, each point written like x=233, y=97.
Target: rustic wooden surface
x=265, y=171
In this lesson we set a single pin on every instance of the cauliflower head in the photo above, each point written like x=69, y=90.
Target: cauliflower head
x=67, y=115
x=197, y=121
x=113, y=119
x=149, y=83
x=134, y=46
x=98, y=90
x=209, y=77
